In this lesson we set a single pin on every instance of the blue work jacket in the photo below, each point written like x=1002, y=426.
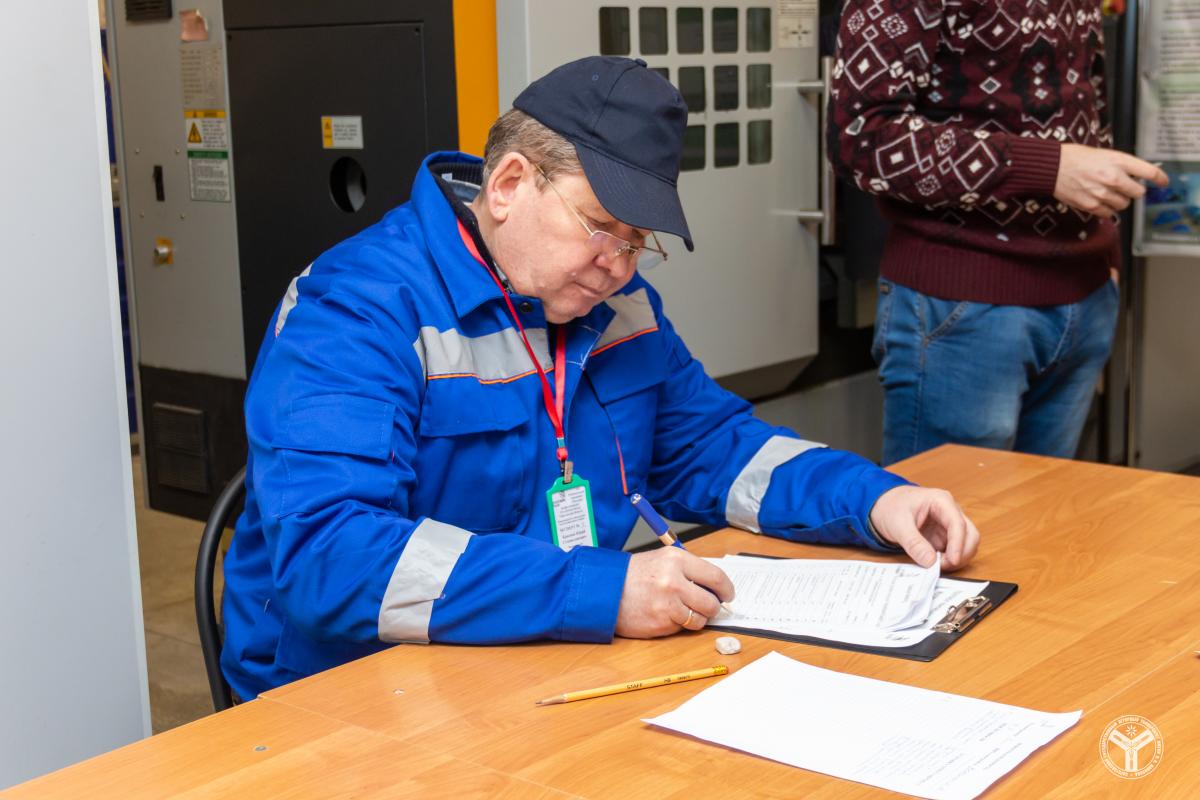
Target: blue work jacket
x=400, y=454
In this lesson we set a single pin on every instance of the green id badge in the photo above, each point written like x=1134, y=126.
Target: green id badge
x=572, y=522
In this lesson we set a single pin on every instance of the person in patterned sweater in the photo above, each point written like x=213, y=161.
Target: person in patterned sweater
x=981, y=126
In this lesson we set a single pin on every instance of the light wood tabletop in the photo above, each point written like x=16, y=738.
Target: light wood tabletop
x=1105, y=620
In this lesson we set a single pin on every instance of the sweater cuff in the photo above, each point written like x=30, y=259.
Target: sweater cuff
x=597, y=583
x=1032, y=167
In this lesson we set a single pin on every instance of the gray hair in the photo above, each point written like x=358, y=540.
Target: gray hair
x=516, y=131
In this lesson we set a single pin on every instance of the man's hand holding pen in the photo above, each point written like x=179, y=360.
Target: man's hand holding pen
x=668, y=589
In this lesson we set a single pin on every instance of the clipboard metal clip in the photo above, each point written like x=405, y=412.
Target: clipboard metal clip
x=962, y=616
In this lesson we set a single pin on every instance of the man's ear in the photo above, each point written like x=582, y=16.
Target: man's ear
x=504, y=184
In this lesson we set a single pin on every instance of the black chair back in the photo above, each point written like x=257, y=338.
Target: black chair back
x=206, y=610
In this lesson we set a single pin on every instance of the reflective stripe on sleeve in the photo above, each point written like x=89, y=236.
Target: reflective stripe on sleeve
x=748, y=489
x=419, y=579
x=289, y=300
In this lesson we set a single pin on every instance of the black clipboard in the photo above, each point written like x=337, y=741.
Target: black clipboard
x=950, y=629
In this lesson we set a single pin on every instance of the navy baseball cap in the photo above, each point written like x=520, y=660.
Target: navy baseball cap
x=627, y=124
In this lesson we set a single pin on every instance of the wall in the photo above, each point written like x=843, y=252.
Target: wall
x=73, y=660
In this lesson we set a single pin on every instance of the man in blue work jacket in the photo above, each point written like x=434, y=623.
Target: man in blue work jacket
x=452, y=408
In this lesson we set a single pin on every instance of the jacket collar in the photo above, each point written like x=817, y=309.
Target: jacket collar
x=467, y=281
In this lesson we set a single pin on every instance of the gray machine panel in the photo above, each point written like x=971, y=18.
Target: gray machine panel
x=189, y=314
x=754, y=271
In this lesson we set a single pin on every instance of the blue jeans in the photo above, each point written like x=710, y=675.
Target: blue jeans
x=1006, y=377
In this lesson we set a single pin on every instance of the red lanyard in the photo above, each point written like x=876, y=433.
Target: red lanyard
x=554, y=405
x=553, y=402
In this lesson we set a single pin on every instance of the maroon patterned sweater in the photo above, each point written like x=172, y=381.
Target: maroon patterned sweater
x=952, y=112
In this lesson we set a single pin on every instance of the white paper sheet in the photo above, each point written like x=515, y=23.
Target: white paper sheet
x=920, y=742
x=948, y=592
x=850, y=601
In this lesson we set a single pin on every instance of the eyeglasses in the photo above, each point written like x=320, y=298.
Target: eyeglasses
x=612, y=247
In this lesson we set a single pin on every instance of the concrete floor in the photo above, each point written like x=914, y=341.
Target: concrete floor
x=167, y=552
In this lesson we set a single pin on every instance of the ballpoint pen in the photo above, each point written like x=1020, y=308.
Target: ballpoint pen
x=661, y=529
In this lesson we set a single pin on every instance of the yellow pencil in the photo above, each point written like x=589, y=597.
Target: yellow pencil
x=632, y=686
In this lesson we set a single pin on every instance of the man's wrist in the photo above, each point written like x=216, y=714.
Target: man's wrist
x=884, y=543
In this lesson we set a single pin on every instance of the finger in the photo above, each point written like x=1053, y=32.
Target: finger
x=691, y=619
x=1112, y=200
x=946, y=511
x=680, y=615
x=1100, y=209
x=1128, y=187
x=904, y=533
x=700, y=600
x=1144, y=170
x=934, y=531
x=708, y=575
x=971, y=546
x=1091, y=202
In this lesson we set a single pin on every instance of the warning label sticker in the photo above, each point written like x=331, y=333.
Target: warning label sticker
x=208, y=176
x=206, y=129
x=342, y=133
x=206, y=132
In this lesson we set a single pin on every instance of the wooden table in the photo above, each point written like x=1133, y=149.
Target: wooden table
x=1105, y=621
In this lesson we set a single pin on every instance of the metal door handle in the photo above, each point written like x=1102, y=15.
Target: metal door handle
x=826, y=215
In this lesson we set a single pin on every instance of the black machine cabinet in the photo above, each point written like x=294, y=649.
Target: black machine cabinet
x=391, y=69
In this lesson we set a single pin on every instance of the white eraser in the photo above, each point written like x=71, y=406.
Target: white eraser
x=728, y=645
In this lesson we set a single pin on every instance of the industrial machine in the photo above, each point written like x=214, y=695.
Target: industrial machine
x=253, y=137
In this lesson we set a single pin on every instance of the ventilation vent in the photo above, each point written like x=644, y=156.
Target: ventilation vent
x=144, y=10
x=181, y=447
x=183, y=471
x=178, y=428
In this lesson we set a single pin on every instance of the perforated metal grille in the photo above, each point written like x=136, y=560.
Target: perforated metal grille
x=142, y=10
x=180, y=446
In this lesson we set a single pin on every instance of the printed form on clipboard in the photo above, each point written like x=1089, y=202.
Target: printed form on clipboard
x=901, y=610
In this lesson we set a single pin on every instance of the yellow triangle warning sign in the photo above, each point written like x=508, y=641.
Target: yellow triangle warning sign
x=194, y=135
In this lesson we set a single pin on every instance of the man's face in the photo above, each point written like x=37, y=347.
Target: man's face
x=543, y=248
